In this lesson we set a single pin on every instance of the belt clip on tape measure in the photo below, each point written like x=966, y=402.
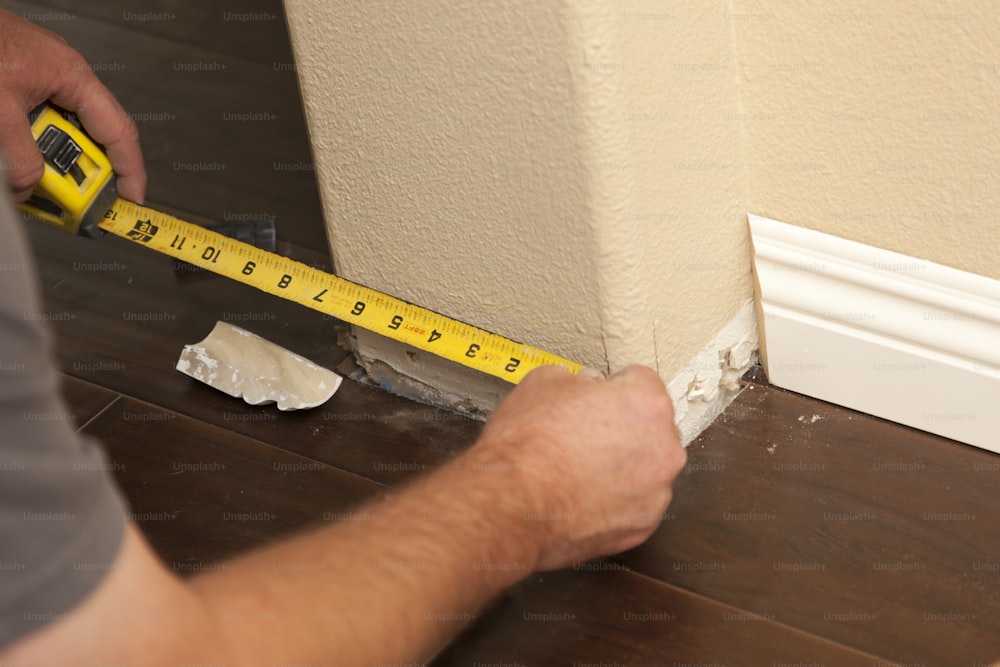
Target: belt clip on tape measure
x=78, y=184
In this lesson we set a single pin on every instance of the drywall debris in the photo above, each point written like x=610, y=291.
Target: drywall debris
x=712, y=379
x=242, y=364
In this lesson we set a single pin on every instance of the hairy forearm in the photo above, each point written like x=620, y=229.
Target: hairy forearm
x=391, y=587
x=393, y=584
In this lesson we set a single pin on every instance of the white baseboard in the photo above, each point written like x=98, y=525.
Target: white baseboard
x=883, y=333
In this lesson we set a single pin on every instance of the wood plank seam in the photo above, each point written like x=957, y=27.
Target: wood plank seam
x=211, y=426
x=81, y=427
x=652, y=582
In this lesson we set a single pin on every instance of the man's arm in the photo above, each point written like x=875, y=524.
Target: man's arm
x=38, y=65
x=569, y=468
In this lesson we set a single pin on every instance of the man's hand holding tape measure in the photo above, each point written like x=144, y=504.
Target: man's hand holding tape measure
x=39, y=66
x=569, y=468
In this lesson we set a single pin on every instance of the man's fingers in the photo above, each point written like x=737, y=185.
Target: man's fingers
x=107, y=122
x=24, y=169
x=43, y=66
x=637, y=373
x=23, y=163
x=591, y=373
x=647, y=384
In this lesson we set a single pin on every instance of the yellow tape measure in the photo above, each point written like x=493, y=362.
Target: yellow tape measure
x=329, y=294
x=79, y=184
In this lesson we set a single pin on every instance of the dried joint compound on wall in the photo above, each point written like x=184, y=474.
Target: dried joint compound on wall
x=703, y=389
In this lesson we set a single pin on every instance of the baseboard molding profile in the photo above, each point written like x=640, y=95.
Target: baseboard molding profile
x=891, y=335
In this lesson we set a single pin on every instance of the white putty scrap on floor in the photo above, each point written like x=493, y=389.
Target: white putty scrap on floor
x=245, y=365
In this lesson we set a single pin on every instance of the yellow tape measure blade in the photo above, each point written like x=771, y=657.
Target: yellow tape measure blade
x=329, y=294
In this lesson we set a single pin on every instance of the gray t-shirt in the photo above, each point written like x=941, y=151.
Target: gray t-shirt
x=61, y=516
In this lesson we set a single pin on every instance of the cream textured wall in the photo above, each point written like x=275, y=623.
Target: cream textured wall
x=686, y=213
x=877, y=122
x=576, y=174
x=450, y=156
x=564, y=173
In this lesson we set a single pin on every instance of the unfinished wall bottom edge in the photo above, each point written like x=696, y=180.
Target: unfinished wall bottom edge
x=700, y=392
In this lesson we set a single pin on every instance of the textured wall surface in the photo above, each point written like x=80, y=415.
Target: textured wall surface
x=686, y=213
x=577, y=174
x=877, y=123
x=450, y=155
x=567, y=174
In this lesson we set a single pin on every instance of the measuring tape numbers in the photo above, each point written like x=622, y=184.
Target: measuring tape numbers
x=79, y=184
x=329, y=294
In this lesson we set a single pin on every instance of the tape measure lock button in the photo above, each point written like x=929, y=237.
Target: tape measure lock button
x=78, y=184
x=59, y=148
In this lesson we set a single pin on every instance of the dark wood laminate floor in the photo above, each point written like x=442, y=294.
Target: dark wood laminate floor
x=800, y=534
